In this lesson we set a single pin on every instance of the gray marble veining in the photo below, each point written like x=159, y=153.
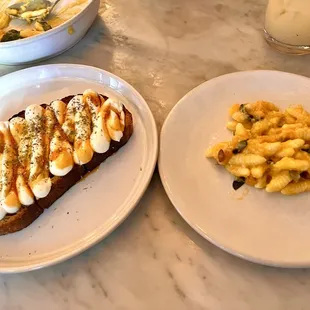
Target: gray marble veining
x=154, y=260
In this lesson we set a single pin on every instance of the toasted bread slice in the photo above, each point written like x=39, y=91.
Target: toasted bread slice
x=60, y=185
x=23, y=218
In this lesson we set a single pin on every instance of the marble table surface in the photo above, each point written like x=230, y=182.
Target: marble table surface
x=154, y=260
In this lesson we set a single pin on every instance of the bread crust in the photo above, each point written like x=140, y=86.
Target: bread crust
x=60, y=185
x=22, y=219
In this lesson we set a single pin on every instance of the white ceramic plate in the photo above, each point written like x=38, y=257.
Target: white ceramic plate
x=52, y=42
x=97, y=205
x=261, y=227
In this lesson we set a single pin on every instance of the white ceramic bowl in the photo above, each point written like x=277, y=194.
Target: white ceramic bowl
x=51, y=43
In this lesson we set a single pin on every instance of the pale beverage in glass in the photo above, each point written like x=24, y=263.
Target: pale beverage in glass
x=287, y=26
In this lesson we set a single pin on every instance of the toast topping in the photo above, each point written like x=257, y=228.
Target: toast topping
x=94, y=101
x=59, y=109
x=100, y=138
x=61, y=154
x=59, y=158
x=108, y=125
x=21, y=135
x=39, y=180
x=68, y=125
x=24, y=192
x=49, y=141
x=2, y=213
x=9, y=200
x=83, y=152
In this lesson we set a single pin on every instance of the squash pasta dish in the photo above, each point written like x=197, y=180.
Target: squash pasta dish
x=269, y=149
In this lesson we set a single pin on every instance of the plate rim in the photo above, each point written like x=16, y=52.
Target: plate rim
x=171, y=196
x=122, y=216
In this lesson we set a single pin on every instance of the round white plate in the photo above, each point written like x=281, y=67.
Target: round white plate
x=94, y=207
x=258, y=226
x=52, y=42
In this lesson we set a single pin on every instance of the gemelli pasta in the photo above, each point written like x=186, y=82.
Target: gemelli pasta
x=269, y=149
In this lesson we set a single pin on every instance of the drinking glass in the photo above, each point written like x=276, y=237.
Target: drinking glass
x=287, y=26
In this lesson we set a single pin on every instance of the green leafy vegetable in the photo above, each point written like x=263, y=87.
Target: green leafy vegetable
x=238, y=182
x=11, y=35
x=240, y=146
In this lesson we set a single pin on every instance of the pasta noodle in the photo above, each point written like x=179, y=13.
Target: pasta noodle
x=270, y=149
